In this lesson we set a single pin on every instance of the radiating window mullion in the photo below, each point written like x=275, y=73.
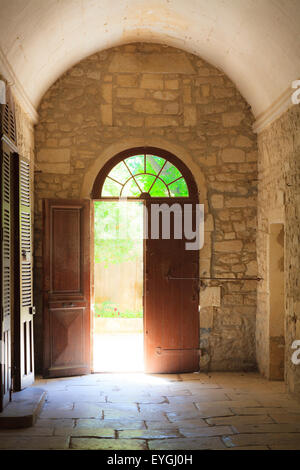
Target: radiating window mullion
x=115, y=181
x=152, y=183
x=132, y=175
x=174, y=181
x=158, y=176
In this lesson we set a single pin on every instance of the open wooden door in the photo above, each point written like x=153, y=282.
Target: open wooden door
x=6, y=275
x=171, y=325
x=23, y=285
x=66, y=254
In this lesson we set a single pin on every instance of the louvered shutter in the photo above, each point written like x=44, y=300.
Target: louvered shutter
x=24, y=310
x=6, y=275
x=8, y=124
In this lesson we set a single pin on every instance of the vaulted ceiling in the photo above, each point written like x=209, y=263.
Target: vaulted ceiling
x=255, y=42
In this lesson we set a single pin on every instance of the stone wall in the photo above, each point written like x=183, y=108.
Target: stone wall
x=149, y=94
x=279, y=202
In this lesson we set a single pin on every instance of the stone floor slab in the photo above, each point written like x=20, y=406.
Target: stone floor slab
x=211, y=443
x=92, y=432
x=107, y=444
x=239, y=410
x=285, y=417
x=168, y=407
x=206, y=431
x=148, y=434
x=275, y=439
x=34, y=443
x=110, y=423
x=205, y=396
x=186, y=423
x=239, y=420
x=250, y=448
x=80, y=410
x=267, y=428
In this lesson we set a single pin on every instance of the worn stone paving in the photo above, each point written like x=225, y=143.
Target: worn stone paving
x=162, y=412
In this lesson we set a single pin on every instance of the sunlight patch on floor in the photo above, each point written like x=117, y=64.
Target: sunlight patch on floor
x=118, y=353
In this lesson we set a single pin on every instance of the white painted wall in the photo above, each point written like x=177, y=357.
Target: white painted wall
x=255, y=42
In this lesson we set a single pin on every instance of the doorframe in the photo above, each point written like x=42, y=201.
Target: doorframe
x=95, y=196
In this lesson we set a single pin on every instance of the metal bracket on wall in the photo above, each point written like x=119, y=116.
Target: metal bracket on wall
x=227, y=279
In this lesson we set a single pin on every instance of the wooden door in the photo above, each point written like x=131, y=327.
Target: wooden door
x=23, y=285
x=171, y=318
x=66, y=253
x=6, y=275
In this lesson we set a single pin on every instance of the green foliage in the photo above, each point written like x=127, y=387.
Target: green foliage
x=109, y=309
x=118, y=232
x=141, y=173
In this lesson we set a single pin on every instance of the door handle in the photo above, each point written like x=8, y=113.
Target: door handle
x=65, y=304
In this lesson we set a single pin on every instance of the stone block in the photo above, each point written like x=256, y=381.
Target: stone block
x=243, y=141
x=206, y=316
x=161, y=121
x=57, y=168
x=171, y=108
x=209, y=223
x=228, y=246
x=240, y=202
x=147, y=107
x=106, y=114
x=130, y=93
x=94, y=74
x=222, y=92
x=127, y=80
x=208, y=443
x=190, y=115
x=205, y=90
x=210, y=297
x=207, y=160
x=134, y=121
x=233, y=155
x=76, y=118
x=61, y=155
x=152, y=82
x=232, y=119
x=106, y=92
x=251, y=268
x=217, y=201
x=171, y=84
x=165, y=95
x=187, y=94
x=107, y=444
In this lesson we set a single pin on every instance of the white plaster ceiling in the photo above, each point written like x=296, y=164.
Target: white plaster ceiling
x=255, y=42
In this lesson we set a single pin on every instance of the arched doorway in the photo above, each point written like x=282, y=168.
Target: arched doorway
x=157, y=182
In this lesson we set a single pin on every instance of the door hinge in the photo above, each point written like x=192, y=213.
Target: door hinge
x=32, y=310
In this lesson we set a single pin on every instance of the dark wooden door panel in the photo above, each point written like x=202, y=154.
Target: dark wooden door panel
x=171, y=305
x=65, y=264
x=66, y=288
x=65, y=325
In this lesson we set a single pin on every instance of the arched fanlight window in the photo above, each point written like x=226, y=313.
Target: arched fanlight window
x=144, y=174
